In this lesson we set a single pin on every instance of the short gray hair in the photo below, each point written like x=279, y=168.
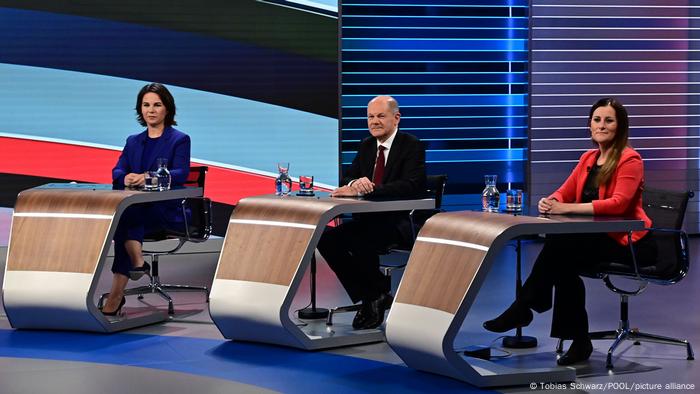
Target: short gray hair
x=391, y=102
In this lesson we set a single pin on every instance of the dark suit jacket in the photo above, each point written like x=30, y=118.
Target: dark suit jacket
x=404, y=173
x=173, y=145
x=404, y=177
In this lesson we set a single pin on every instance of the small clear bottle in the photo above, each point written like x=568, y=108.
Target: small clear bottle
x=283, y=183
x=163, y=174
x=490, y=197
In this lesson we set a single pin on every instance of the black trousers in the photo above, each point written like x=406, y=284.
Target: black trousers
x=137, y=222
x=558, y=266
x=352, y=251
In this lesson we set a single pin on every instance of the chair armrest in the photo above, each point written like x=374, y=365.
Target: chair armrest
x=642, y=279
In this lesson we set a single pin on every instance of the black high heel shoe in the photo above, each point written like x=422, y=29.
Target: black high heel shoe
x=580, y=350
x=116, y=311
x=138, y=273
x=515, y=316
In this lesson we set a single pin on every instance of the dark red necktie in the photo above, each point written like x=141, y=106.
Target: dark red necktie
x=379, y=167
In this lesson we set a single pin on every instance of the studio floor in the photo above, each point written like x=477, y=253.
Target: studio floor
x=188, y=354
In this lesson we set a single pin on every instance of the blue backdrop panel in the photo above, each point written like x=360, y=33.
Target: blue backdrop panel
x=459, y=71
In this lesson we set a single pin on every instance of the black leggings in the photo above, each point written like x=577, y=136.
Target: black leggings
x=562, y=259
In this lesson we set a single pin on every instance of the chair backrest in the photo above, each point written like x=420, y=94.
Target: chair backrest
x=666, y=209
x=435, y=186
x=199, y=225
x=198, y=222
x=197, y=176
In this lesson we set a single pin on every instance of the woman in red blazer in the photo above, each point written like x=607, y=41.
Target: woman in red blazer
x=606, y=181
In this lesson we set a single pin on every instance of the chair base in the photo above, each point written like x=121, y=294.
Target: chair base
x=155, y=287
x=618, y=336
x=632, y=334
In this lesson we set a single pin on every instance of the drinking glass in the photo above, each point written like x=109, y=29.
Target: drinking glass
x=514, y=200
x=306, y=185
x=151, y=179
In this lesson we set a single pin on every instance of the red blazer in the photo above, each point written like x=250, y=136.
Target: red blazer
x=621, y=196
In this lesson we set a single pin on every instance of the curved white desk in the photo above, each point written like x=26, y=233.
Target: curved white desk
x=449, y=262
x=268, y=245
x=59, y=240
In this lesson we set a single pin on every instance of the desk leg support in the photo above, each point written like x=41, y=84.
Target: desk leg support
x=313, y=312
x=519, y=341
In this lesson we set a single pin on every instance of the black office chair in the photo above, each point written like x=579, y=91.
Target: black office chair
x=435, y=188
x=197, y=230
x=666, y=210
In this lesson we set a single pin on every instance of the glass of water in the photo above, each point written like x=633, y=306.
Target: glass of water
x=151, y=181
x=306, y=185
x=514, y=200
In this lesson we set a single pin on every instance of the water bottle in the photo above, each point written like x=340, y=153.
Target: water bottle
x=283, y=183
x=163, y=174
x=490, y=197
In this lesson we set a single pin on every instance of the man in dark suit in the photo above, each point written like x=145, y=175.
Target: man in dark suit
x=389, y=164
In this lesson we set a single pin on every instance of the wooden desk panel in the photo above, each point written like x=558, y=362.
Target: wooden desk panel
x=56, y=244
x=452, y=266
x=275, y=250
x=61, y=231
x=271, y=237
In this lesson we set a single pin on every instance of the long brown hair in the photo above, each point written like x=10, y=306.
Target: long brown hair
x=620, y=141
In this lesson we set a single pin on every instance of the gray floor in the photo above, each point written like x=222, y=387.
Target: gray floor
x=670, y=310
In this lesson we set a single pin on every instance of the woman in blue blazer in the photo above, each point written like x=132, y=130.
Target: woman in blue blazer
x=155, y=109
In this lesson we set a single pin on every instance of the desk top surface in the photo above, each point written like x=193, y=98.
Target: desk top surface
x=350, y=204
x=541, y=224
x=97, y=189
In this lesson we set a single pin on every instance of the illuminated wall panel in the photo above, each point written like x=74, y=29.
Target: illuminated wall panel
x=459, y=72
x=646, y=55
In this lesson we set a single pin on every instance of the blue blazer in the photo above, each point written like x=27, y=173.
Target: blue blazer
x=173, y=145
